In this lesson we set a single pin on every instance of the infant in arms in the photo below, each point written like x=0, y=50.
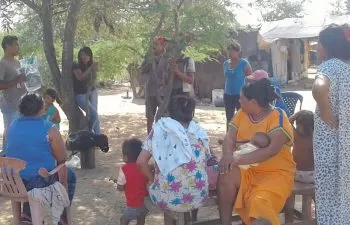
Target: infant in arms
x=258, y=141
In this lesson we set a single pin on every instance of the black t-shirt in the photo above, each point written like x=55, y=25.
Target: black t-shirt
x=80, y=86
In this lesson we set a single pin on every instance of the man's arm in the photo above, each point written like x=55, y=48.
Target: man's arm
x=121, y=181
x=187, y=77
x=9, y=84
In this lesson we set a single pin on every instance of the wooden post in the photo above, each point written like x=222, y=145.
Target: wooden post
x=87, y=157
x=289, y=209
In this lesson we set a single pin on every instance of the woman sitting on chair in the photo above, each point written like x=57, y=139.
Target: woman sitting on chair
x=258, y=193
x=39, y=143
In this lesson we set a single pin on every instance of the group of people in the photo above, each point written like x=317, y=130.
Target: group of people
x=254, y=182
x=25, y=112
x=306, y=147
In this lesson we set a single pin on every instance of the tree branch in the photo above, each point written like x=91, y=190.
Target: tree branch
x=180, y=4
x=31, y=4
x=59, y=12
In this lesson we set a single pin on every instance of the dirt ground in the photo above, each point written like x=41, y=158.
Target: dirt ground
x=97, y=201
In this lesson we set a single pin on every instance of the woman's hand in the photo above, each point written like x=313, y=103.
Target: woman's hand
x=150, y=181
x=329, y=119
x=94, y=66
x=226, y=164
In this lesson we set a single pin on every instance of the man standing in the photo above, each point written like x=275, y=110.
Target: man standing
x=156, y=78
x=184, y=71
x=11, y=82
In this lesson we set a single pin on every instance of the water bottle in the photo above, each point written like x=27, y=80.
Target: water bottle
x=33, y=82
x=74, y=162
x=30, y=68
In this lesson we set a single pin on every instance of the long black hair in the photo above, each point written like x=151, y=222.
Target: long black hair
x=261, y=91
x=86, y=50
x=335, y=40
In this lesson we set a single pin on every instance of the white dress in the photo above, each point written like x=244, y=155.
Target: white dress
x=332, y=149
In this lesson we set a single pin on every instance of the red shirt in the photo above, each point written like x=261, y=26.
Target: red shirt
x=135, y=185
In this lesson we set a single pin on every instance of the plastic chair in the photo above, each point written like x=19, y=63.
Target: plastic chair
x=13, y=189
x=291, y=99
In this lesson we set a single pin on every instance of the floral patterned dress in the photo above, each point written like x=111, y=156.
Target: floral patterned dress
x=186, y=187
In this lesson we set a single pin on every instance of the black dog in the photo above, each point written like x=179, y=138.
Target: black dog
x=83, y=140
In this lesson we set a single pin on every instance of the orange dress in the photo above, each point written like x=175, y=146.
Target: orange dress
x=265, y=188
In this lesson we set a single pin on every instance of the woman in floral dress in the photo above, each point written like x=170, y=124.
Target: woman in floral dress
x=332, y=127
x=180, y=148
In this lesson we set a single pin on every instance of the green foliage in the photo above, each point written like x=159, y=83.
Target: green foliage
x=340, y=7
x=120, y=32
x=280, y=9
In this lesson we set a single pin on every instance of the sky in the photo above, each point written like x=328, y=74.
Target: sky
x=314, y=8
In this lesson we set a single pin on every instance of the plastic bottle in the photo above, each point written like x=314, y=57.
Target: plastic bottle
x=74, y=162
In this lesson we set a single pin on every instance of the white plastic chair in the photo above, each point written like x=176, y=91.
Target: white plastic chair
x=13, y=189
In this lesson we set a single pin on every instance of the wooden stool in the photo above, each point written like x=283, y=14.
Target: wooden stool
x=307, y=192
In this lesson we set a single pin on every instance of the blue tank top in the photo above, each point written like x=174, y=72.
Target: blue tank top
x=27, y=139
x=234, y=77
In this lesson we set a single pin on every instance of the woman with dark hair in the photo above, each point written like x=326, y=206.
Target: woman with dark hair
x=85, y=88
x=235, y=71
x=332, y=127
x=258, y=193
x=180, y=148
x=43, y=148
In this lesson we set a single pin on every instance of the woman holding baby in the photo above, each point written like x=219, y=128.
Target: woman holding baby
x=259, y=192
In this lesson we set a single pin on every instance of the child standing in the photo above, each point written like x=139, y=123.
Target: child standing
x=51, y=112
x=133, y=183
x=303, y=147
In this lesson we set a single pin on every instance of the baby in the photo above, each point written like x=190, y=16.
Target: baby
x=258, y=141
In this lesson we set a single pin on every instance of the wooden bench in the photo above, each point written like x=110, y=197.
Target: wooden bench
x=305, y=190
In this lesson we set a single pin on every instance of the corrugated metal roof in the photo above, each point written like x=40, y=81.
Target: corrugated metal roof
x=290, y=28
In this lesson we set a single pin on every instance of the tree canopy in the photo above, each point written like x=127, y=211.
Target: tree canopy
x=279, y=9
x=340, y=7
x=118, y=31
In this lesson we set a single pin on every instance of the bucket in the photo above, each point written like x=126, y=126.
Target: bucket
x=218, y=97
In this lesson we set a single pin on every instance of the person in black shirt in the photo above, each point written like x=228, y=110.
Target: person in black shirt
x=84, y=79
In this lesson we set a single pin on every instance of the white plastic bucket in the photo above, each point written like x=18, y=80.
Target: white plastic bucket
x=217, y=94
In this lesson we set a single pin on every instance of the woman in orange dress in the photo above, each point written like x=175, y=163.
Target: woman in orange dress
x=259, y=193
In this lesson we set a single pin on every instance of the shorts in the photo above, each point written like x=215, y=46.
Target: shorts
x=133, y=213
x=306, y=177
x=151, y=106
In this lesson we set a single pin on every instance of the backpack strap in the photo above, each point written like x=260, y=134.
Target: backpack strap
x=185, y=60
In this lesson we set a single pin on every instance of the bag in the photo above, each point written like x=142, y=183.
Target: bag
x=83, y=140
x=30, y=68
x=212, y=171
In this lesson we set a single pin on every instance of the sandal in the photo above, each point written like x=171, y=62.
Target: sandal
x=25, y=219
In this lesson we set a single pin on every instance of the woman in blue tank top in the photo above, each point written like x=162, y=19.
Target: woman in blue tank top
x=235, y=71
x=39, y=144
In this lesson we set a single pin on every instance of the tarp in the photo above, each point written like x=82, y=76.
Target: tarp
x=292, y=28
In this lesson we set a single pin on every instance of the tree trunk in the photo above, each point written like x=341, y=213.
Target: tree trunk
x=63, y=81
x=174, y=52
x=74, y=115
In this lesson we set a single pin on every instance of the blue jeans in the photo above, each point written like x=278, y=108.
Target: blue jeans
x=9, y=116
x=41, y=182
x=94, y=122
